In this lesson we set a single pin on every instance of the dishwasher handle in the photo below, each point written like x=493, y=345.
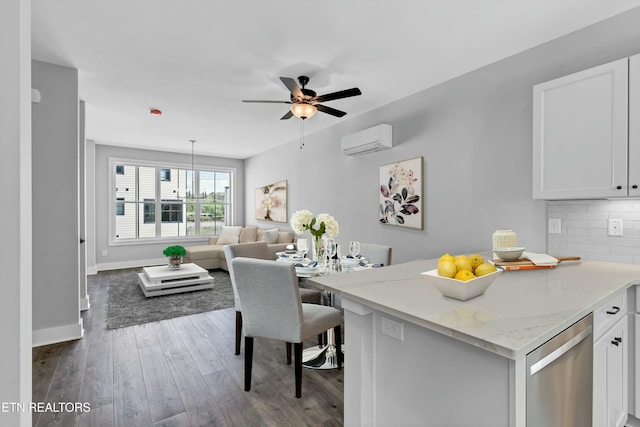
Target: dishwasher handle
x=557, y=353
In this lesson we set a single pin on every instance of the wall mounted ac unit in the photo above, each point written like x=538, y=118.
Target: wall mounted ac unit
x=368, y=140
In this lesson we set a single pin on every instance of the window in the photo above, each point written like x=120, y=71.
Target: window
x=188, y=203
x=172, y=212
x=120, y=206
x=165, y=174
x=149, y=211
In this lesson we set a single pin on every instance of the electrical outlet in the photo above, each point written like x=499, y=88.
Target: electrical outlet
x=615, y=227
x=555, y=225
x=392, y=328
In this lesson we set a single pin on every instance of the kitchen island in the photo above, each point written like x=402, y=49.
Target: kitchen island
x=414, y=357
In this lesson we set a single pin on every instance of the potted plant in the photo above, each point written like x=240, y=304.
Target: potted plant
x=175, y=254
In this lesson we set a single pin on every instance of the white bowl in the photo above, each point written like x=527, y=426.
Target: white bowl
x=458, y=289
x=509, y=254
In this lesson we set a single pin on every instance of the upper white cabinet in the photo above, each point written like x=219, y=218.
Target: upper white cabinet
x=586, y=128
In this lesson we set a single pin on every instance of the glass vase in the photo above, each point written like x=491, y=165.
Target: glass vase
x=175, y=262
x=317, y=250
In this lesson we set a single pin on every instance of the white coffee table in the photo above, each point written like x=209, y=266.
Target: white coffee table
x=162, y=280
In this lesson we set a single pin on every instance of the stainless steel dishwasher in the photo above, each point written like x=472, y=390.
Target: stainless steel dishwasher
x=560, y=379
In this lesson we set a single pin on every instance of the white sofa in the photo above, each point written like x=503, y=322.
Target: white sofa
x=212, y=256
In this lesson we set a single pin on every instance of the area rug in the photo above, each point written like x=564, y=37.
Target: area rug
x=127, y=305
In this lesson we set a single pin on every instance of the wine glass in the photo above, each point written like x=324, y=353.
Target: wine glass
x=354, y=248
x=303, y=246
x=329, y=249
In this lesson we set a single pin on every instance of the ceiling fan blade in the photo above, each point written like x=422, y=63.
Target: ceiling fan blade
x=270, y=102
x=330, y=110
x=338, y=95
x=293, y=87
x=287, y=116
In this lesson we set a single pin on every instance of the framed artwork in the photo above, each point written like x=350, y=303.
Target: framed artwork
x=400, y=191
x=271, y=202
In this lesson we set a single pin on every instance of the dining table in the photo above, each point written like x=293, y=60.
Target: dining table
x=324, y=355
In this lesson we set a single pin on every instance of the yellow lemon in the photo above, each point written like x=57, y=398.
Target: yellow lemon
x=476, y=260
x=463, y=263
x=446, y=257
x=447, y=268
x=464, y=275
x=484, y=269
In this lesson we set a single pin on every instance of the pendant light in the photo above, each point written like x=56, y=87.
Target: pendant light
x=202, y=195
x=189, y=194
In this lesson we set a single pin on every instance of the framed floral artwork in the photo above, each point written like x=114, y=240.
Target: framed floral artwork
x=271, y=202
x=400, y=191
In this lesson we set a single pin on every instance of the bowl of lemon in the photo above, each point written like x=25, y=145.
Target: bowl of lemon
x=462, y=277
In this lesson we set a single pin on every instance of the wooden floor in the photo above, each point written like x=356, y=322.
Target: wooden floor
x=178, y=372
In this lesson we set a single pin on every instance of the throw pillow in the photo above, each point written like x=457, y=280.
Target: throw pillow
x=271, y=236
x=248, y=235
x=229, y=235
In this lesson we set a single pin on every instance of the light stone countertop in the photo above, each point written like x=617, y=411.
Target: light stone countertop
x=520, y=311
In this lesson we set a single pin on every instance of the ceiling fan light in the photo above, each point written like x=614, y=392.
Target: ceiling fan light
x=303, y=111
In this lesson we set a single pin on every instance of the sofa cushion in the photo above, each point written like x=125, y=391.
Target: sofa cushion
x=229, y=235
x=270, y=236
x=285, y=237
x=248, y=234
x=195, y=253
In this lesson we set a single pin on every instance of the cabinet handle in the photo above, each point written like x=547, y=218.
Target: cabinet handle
x=619, y=187
x=634, y=186
x=616, y=343
x=614, y=311
x=618, y=339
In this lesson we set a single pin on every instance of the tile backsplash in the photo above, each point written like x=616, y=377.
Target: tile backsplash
x=584, y=230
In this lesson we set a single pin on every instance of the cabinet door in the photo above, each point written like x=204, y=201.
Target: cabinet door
x=580, y=134
x=634, y=126
x=610, y=367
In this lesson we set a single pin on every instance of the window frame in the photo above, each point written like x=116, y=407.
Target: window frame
x=230, y=202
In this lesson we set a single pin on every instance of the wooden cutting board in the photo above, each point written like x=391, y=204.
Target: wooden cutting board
x=522, y=262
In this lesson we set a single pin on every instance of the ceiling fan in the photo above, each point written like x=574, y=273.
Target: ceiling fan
x=305, y=103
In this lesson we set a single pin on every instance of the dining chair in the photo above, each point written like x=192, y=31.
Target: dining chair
x=376, y=254
x=272, y=308
x=258, y=250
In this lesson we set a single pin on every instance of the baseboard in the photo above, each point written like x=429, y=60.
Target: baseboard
x=84, y=303
x=57, y=334
x=92, y=269
x=130, y=264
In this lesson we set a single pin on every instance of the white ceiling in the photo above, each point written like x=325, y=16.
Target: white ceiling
x=196, y=59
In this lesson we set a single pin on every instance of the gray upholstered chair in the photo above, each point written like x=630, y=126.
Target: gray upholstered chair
x=258, y=250
x=271, y=308
x=376, y=254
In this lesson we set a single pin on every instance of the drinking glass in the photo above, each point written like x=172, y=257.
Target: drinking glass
x=303, y=246
x=354, y=248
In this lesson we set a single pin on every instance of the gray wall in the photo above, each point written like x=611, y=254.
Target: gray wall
x=474, y=133
x=56, y=299
x=143, y=254
x=15, y=185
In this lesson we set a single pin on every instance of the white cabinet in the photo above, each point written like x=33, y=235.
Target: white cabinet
x=610, y=366
x=586, y=134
